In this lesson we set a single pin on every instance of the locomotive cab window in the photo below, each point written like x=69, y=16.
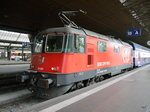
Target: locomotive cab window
x=101, y=46
x=60, y=43
x=54, y=42
x=79, y=44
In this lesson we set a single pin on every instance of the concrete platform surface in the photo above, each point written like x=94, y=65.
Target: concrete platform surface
x=12, y=62
x=7, y=69
x=128, y=92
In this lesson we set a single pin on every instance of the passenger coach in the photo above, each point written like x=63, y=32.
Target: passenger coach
x=141, y=55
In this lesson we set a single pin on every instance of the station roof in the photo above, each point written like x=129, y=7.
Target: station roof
x=109, y=17
x=12, y=39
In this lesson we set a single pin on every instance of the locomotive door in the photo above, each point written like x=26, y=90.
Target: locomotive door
x=90, y=55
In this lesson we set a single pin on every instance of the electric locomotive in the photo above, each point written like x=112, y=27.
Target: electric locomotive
x=71, y=57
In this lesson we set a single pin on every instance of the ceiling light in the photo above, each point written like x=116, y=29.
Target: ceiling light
x=122, y=1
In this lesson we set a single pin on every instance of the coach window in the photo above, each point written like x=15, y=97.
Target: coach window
x=101, y=46
x=116, y=49
x=79, y=44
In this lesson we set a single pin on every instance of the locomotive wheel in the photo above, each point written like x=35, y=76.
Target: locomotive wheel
x=101, y=78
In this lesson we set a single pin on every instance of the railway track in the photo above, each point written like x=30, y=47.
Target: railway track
x=19, y=103
x=7, y=88
x=9, y=79
x=8, y=84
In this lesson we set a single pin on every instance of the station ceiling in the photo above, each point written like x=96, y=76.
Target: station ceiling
x=109, y=17
x=12, y=39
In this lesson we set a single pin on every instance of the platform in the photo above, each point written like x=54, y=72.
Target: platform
x=12, y=62
x=7, y=69
x=128, y=92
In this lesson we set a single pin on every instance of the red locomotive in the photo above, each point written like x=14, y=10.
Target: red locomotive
x=67, y=58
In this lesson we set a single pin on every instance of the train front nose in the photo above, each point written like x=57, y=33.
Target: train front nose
x=37, y=59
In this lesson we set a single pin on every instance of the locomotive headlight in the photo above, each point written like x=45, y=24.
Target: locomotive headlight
x=54, y=68
x=31, y=66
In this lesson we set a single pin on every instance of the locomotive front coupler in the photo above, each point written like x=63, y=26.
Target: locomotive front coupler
x=35, y=78
x=25, y=76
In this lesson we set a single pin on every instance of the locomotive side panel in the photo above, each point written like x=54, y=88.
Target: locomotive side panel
x=112, y=56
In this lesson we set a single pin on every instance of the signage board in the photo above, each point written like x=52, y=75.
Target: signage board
x=133, y=32
x=24, y=43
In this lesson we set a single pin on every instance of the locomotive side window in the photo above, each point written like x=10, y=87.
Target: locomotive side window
x=54, y=42
x=101, y=46
x=39, y=42
x=79, y=44
x=116, y=49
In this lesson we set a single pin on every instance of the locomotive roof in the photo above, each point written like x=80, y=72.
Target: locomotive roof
x=83, y=31
x=64, y=29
